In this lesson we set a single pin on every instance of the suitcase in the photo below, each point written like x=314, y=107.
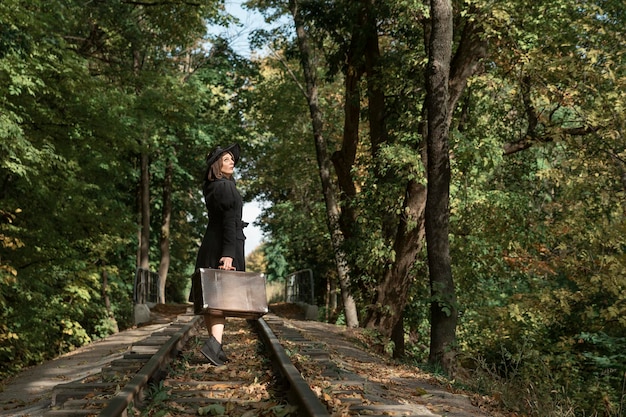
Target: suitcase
x=229, y=293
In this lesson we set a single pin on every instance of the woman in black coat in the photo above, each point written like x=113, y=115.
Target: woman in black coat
x=223, y=243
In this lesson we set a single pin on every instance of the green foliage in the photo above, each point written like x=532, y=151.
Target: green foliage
x=88, y=87
x=283, y=171
x=537, y=235
x=159, y=396
x=540, y=265
x=538, y=239
x=276, y=265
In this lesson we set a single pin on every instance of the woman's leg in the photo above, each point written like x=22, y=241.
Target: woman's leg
x=212, y=349
x=215, y=326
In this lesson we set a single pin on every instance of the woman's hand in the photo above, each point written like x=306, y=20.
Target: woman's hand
x=226, y=263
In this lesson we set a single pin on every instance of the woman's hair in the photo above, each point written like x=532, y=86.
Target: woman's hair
x=214, y=172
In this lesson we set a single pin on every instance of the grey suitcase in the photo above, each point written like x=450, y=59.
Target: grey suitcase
x=229, y=293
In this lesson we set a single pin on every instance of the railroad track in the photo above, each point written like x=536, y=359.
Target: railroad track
x=166, y=372
x=271, y=372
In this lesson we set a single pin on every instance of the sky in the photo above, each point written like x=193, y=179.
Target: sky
x=238, y=39
x=238, y=35
x=254, y=236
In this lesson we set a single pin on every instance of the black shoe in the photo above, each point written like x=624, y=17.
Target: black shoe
x=222, y=356
x=217, y=347
x=210, y=350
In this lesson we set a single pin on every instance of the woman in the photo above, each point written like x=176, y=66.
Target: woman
x=223, y=243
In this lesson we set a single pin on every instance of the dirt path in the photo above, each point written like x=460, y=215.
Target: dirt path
x=385, y=379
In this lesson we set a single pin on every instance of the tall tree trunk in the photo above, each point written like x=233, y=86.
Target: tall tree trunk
x=375, y=86
x=444, y=306
x=343, y=159
x=397, y=337
x=164, y=265
x=144, y=193
x=324, y=164
x=107, y=301
x=377, y=107
x=407, y=234
x=392, y=292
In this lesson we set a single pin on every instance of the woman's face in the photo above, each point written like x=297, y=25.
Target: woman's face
x=228, y=164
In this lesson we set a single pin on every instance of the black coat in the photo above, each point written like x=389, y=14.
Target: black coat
x=224, y=233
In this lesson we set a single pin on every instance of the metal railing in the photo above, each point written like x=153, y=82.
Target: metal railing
x=299, y=287
x=146, y=288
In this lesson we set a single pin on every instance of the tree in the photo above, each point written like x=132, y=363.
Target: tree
x=283, y=172
x=527, y=196
x=443, y=307
x=165, y=229
x=323, y=159
x=73, y=117
x=385, y=216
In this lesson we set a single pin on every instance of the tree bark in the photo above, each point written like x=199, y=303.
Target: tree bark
x=392, y=292
x=324, y=164
x=397, y=337
x=107, y=300
x=144, y=192
x=164, y=265
x=407, y=234
x=391, y=296
x=375, y=86
x=471, y=49
x=443, y=305
x=343, y=159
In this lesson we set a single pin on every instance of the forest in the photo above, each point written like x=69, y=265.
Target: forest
x=453, y=171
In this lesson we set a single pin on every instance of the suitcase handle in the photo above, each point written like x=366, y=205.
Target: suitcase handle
x=232, y=268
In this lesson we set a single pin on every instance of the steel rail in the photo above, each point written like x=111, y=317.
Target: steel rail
x=166, y=347
x=300, y=391
x=119, y=404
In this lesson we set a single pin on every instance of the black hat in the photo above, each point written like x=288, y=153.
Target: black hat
x=217, y=152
